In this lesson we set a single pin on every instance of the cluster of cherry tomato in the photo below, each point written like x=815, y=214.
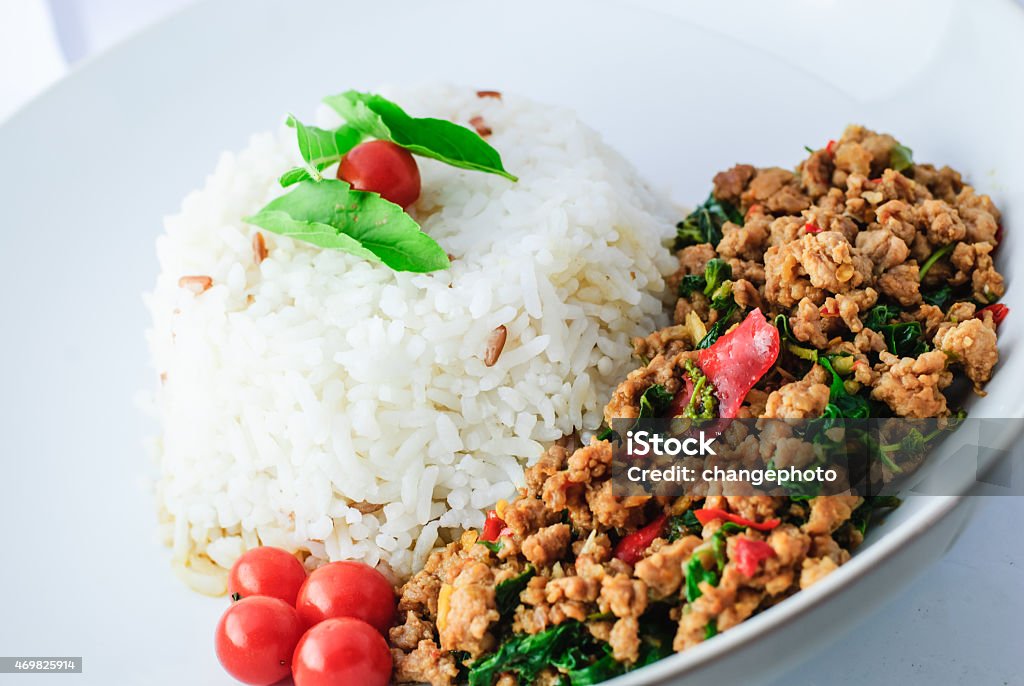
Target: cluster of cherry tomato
x=325, y=628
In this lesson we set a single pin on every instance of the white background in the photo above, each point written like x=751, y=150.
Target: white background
x=960, y=622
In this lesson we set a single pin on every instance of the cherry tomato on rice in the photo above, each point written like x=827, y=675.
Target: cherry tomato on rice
x=382, y=167
x=342, y=650
x=256, y=638
x=267, y=571
x=347, y=589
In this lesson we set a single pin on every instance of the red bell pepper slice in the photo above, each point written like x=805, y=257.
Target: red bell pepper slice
x=748, y=554
x=998, y=310
x=493, y=526
x=737, y=360
x=709, y=514
x=631, y=548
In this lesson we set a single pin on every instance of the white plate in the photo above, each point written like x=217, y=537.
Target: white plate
x=88, y=170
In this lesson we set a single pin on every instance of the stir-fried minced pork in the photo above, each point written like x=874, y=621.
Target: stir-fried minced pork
x=879, y=276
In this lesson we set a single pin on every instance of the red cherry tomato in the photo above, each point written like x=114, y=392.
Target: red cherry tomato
x=347, y=589
x=735, y=362
x=382, y=167
x=256, y=638
x=342, y=650
x=269, y=572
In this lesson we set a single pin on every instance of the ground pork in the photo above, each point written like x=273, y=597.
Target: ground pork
x=942, y=222
x=471, y=611
x=852, y=304
x=666, y=342
x=748, y=241
x=979, y=215
x=972, y=345
x=730, y=184
x=667, y=371
x=810, y=325
x=899, y=218
x=408, y=635
x=777, y=190
x=943, y=183
x=901, y=284
x=812, y=265
x=814, y=570
x=829, y=512
x=816, y=174
x=913, y=387
x=550, y=462
x=662, y=571
x=426, y=664
x=547, y=545
x=623, y=596
x=797, y=400
x=884, y=248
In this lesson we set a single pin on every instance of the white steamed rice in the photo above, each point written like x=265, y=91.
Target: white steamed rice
x=315, y=381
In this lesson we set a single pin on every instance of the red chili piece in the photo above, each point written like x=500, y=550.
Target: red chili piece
x=631, y=548
x=998, y=310
x=831, y=147
x=811, y=227
x=737, y=360
x=493, y=526
x=748, y=554
x=710, y=514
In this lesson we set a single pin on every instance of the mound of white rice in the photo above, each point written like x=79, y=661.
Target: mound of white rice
x=320, y=402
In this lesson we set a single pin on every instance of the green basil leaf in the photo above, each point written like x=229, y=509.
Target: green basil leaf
x=940, y=297
x=493, y=546
x=781, y=322
x=506, y=594
x=682, y=525
x=933, y=258
x=841, y=404
x=695, y=573
x=654, y=402
x=720, y=325
x=901, y=157
x=690, y=283
x=880, y=315
x=904, y=339
x=330, y=214
x=704, y=224
x=525, y=654
x=321, y=148
x=437, y=139
x=862, y=517
x=294, y=175
x=599, y=671
x=716, y=272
